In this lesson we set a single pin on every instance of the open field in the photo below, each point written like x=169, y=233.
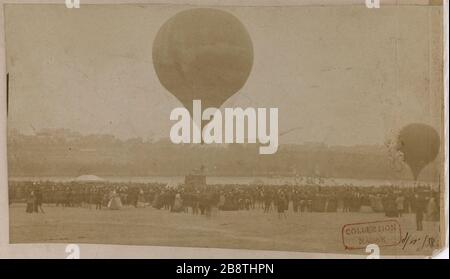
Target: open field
x=306, y=232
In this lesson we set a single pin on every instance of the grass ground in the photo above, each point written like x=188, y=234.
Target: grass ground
x=306, y=232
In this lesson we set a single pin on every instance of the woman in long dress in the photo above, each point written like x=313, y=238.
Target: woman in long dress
x=115, y=203
x=178, y=203
x=31, y=200
x=141, y=199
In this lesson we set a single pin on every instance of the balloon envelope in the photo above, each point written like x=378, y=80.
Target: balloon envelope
x=203, y=54
x=419, y=144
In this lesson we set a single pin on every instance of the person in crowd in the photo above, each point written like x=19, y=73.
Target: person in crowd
x=282, y=204
x=432, y=208
x=38, y=201
x=178, y=203
x=419, y=206
x=31, y=200
x=98, y=199
x=393, y=200
x=400, y=203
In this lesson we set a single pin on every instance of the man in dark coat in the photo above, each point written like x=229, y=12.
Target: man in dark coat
x=419, y=206
x=38, y=201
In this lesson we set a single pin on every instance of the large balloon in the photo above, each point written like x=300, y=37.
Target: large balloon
x=419, y=144
x=203, y=54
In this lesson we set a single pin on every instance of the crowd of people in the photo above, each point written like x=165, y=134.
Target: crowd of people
x=394, y=201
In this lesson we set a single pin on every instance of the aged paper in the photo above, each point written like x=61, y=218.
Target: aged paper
x=273, y=129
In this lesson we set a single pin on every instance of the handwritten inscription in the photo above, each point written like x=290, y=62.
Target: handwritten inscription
x=419, y=242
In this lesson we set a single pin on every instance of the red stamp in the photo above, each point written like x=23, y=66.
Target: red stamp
x=381, y=233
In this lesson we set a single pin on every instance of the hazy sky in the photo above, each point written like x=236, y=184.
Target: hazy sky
x=345, y=75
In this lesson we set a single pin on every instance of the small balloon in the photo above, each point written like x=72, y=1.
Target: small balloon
x=203, y=54
x=419, y=144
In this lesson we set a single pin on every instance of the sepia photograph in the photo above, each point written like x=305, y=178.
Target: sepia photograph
x=299, y=128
